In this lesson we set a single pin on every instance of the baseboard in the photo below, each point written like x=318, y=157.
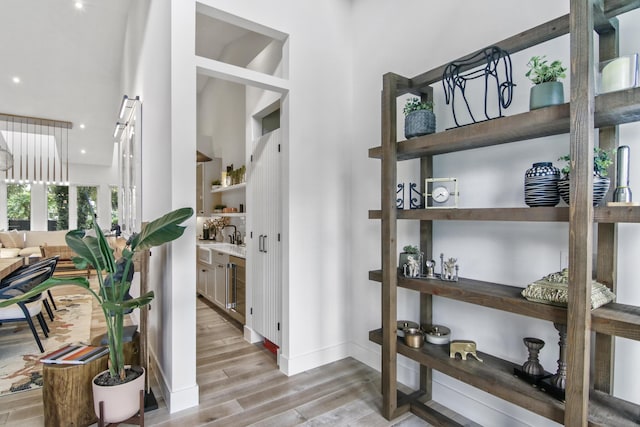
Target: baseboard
x=291, y=366
x=251, y=336
x=176, y=400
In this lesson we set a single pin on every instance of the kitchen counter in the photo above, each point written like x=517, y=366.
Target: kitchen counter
x=239, y=251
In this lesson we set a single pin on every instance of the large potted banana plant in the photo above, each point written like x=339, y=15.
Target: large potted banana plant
x=115, y=301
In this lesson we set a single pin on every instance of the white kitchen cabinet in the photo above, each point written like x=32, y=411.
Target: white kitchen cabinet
x=220, y=264
x=205, y=280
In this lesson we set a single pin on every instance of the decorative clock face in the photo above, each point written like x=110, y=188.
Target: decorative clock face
x=443, y=194
x=440, y=194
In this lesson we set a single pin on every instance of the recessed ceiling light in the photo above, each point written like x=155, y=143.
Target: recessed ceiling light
x=79, y=5
x=16, y=79
x=81, y=125
x=83, y=151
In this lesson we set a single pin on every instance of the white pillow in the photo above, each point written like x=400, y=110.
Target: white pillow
x=9, y=252
x=34, y=250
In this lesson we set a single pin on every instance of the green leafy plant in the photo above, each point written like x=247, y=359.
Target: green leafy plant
x=601, y=162
x=415, y=104
x=540, y=71
x=113, y=290
x=410, y=249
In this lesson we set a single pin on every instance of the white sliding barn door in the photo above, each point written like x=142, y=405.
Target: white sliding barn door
x=266, y=248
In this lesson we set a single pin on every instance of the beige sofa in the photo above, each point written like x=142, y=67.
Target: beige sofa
x=29, y=243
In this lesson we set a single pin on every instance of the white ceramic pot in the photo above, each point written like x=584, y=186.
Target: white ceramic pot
x=121, y=401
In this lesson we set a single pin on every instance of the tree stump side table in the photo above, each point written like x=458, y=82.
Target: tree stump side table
x=67, y=394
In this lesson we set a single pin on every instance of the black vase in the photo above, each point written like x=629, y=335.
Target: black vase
x=600, y=188
x=541, y=185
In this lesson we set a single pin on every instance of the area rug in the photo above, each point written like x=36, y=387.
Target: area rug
x=20, y=368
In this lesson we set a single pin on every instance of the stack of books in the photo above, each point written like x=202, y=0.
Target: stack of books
x=75, y=354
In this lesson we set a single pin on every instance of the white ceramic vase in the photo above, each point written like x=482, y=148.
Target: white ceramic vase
x=121, y=401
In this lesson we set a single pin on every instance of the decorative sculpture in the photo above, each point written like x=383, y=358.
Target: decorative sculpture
x=416, y=198
x=464, y=348
x=449, y=269
x=400, y=196
x=497, y=70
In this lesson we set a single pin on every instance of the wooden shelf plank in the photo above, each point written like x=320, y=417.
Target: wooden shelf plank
x=540, y=214
x=620, y=320
x=603, y=214
x=611, y=109
x=492, y=295
x=615, y=214
x=612, y=319
x=495, y=376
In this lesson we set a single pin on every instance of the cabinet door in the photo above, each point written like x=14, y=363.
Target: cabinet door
x=220, y=287
x=205, y=281
x=202, y=280
x=237, y=287
x=265, y=249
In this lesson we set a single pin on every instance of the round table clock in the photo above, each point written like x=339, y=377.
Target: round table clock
x=444, y=193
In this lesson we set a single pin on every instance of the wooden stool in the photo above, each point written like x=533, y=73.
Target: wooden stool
x=67, y=393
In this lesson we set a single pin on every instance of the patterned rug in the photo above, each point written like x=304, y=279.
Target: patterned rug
x=20, y=368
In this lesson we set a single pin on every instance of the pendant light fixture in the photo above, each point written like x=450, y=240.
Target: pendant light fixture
x=22, y=155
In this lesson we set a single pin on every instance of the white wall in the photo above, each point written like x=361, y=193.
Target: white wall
x=159, y=68
x=335, y=58
x=318, y=189
x=511, y=253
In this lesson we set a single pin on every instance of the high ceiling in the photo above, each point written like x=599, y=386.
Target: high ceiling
x=69, y=64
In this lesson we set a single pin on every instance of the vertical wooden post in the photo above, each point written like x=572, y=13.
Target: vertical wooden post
x=389, y=247
x=607, y=233
x=426, y=246
x=144, y=316
x=580, y=212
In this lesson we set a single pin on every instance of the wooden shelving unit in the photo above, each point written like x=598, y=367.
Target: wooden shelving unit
x=588, y=400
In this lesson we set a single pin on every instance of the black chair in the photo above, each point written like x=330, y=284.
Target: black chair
x=26, y=310
x=28, y=269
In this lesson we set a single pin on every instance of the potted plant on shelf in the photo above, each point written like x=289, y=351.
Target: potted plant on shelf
x=547, y=90
x=601, y=162
x=419, y=118
x=114, y=280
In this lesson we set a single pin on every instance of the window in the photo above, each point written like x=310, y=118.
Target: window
x=57, y=207
x=19, y=206
x=114, y=205
x=87, y=206
x=271, y=122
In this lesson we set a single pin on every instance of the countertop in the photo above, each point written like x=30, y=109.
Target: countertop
x=239, y=251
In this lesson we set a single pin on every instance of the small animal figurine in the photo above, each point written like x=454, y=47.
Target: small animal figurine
x=414, y=267
x=449, y=267
x=464, y=348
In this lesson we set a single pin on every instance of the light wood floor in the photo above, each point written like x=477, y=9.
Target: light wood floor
x=240, y=385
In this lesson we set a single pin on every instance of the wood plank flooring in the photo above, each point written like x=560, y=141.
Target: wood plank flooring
x=240, y=385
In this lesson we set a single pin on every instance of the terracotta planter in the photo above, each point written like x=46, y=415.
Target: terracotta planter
x=545, y=94
x=121, y=401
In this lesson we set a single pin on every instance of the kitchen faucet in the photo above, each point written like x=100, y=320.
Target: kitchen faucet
x=232, y=237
